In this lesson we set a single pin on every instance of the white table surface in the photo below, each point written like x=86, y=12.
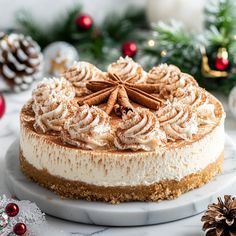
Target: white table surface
x=9, y=130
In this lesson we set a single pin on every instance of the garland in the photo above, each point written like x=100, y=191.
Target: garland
x=210, y=57
x=100, y=43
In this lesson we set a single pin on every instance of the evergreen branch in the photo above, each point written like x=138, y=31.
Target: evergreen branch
x=65, y=27
x=221, y=15
x=172, y=33
x=60, y=30
x=28, y=25
x=179, y=45
x=216, y=38
x=123, y=27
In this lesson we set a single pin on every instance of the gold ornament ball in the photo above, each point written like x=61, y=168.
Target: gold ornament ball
x=58, y=57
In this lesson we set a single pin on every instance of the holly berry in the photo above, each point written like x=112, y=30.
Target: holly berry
x=84, y=22
x=19, y=229
x=2, y=106
x=129, y=49
x=12, y=209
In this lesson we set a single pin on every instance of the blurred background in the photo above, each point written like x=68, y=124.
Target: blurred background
x=43, y=38
x=182, y=10
x=46, y=10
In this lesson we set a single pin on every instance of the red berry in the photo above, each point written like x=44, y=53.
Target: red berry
x=19, y=229
x=129, y=49
x=221, y=63
x=12, y=209
x=84, y=22
x=2, y=106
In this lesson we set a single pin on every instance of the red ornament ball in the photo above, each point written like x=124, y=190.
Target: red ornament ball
x=2, y=106
x=12, y=209
x=129, y=49
x=19, y=229
x=84, y=22
x=221, y=63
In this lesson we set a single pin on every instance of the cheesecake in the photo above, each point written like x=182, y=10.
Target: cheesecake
x=121, y=135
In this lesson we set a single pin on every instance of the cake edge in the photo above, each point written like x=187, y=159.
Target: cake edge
x=163, y=190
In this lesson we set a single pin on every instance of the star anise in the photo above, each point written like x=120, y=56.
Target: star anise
x=118, y=91
x=220, y=218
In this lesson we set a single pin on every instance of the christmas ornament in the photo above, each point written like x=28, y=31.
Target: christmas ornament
x=129, y=49
x=19, y=229
x=232, y=101
x=2, y=106
x=220, y=218
x=222, y=61
x=84, y=22
x=4, y=219
x=20, y=217
x=58, y=57
x=206, y=70
x=12, y=209
x=20, y=62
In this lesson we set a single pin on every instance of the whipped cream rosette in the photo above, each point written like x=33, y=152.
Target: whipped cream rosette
x=126, y=68
x=199, y=101
x=169, y=78
x=52, y=104
x=54, y=87
x=139, y=130
x=177, y=121
x=162, y=74
x=80, y=73
x=89, y=128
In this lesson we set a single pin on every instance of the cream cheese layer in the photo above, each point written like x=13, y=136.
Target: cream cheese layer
x=121, y=168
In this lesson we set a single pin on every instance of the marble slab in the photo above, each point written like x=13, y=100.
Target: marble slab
x=124, y=214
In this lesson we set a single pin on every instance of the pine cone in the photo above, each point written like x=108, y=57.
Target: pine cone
x=220, y=218
x=2, y=34
x=20, y=61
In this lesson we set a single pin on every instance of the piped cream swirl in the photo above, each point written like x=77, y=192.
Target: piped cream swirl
x=139, y=130
x=169, y=78
x=126, y=68
x=177, y=122
x=198, y=100
x=57, y=88
x=89, y=128
x=80, y=73
x=52, y=104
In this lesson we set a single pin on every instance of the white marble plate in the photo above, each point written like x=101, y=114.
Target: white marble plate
x=124, y=214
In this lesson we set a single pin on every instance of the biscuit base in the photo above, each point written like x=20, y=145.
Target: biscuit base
x=166, y=189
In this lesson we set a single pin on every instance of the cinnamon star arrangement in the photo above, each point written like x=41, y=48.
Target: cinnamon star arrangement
x=118, y=91
x=123, y=134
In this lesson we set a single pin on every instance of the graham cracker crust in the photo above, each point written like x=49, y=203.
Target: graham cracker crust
x=168, y=189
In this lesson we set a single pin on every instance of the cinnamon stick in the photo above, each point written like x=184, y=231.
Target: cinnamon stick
x=143, y=98
x=97, y=85
x=123, y=98
x=112, y=100
x=96, y=98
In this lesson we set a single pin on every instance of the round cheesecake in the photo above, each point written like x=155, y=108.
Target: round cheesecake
x=121, y=135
